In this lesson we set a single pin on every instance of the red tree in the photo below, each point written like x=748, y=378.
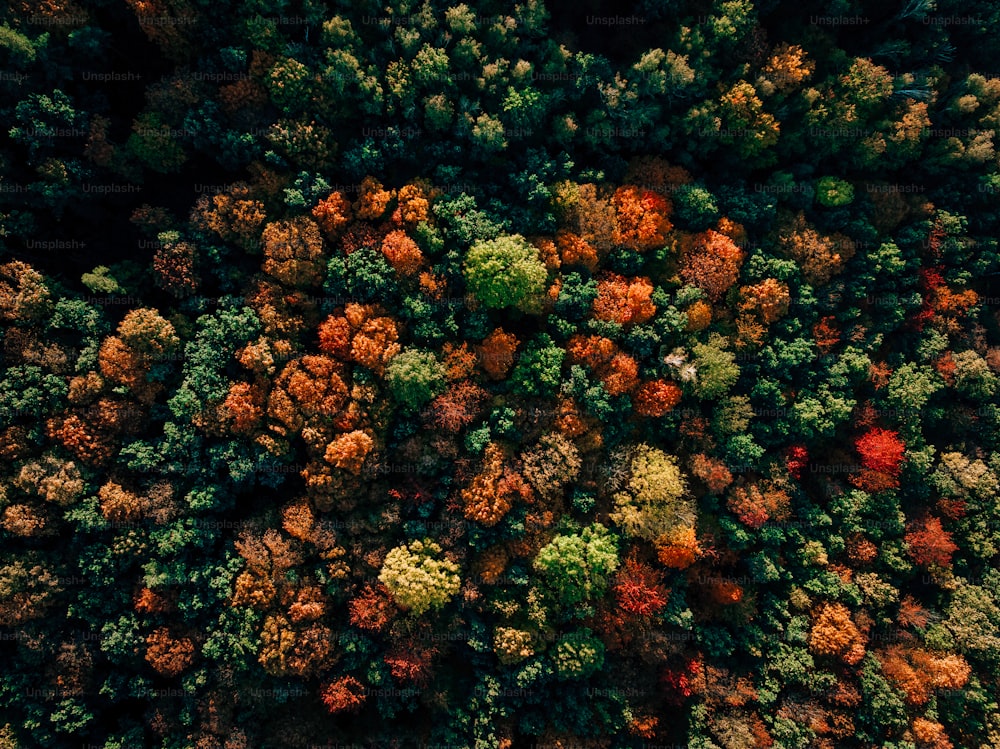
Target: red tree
x=881, y=453
x=344, y=694
x=881, y=450
x=796, y=458
x=372, y=609
x=639, y=589
x=928, y=543
x=657, y=397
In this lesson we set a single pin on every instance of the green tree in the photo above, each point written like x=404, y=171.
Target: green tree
x=715, y=368
x=506, y=272
x=414, y=377
x=578, y=655
x=577, y=567
x=537, y=370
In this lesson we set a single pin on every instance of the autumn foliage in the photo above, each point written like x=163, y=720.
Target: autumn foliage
x=834, y=633
x=928, y=543
x=711, y=261
x=881, y=452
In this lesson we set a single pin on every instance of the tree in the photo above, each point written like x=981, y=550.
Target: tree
x=24, y=295
x=414, y=377
x=577, y=568
x=638, y=588
x=496, y=353
x=745, y=124
x=333, y=213
x=493, y=491
x=578, y=655
x=506, y=272
x=457, y=408
x=882, y=455
x=174, y=265
x=653, y=504
x=973, y=376
x=711, y=472
x=402, y=253
x=641, y=221
x=167, y=654
x=574, y=250
x=656, y=398
x=714, y=369
x=769, y=299
x=755, y=506
x=148, y=335
x=787, y=68
x=293, y=252
x=418, y=578
x=301, y=649
x=512, y=645
x=537, y=371
x=834, y=633
x=695, y=207
x=917, y=672
x=928, y=544
x=372, y=609
x=820, y=257
x=833, y=193
x=348, y=451
x=711, y=261
x=234, y=215
x=623, y=300
x=345, y=694
x=551, y=465
x=52, y=479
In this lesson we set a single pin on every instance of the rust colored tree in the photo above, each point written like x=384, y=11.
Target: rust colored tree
x=641, y=221
x=344, y=694
x=928, y=544
x=496, y=353
x=623, y=300
x=712, y=263
x=168, y=654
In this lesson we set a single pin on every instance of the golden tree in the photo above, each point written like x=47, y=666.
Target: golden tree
x=293, y=252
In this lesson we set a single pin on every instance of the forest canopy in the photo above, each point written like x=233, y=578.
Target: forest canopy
x=499, y=375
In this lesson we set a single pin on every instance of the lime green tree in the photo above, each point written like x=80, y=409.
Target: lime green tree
x=419, y=577
x=576, y=567
x=506, y=272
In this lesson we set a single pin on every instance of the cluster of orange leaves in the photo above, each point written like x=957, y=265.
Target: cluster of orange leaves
x=711, y=261
x=493, y=491
x=656, y=397
x=496, y=353
x=756, y=504
x=641, y=221
x=626, y=301
x=918, y=672
x=617, y=371
x=362, y=334
x=834, y=633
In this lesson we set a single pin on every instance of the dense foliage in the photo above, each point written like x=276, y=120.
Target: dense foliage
x=511, y=375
